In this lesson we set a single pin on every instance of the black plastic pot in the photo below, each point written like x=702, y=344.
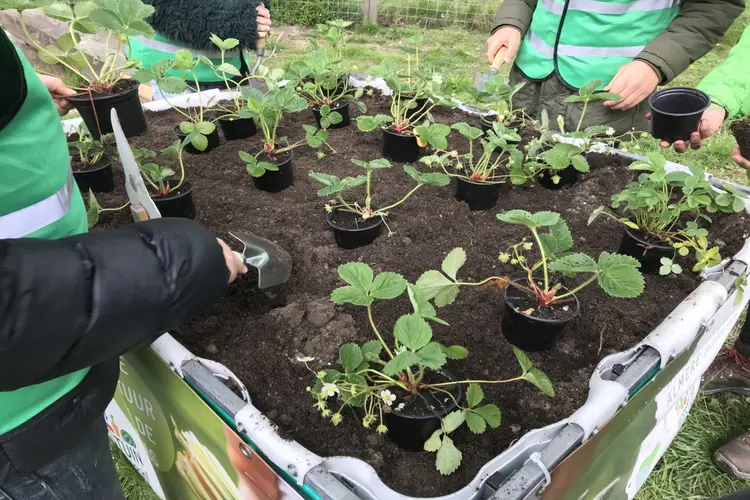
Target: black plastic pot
x=237, y=128
x=354, y=237
x=97, y=178
x=177, y=203
x=568, y=177
x=213, y=141
x=273, y=182
x=530, y=333
x=647, y=253
x=676, y=112
x=95, y=109
x=342, y=108
x=400, y=147
x=410, y=431
x=478, y=195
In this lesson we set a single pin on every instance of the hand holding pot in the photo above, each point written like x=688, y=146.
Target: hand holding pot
x=710, y=123
x=263, y=21
x=59, y=92
x=234, y=264
x=507, y=36
x=634, y=82
x=739, y=160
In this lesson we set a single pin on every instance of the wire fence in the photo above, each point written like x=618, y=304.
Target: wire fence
x=469, y=14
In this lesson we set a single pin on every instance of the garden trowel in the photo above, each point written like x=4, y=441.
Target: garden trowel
x=274, y=265
x=481, y=78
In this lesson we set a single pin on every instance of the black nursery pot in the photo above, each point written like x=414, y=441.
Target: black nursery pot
x=647, y=253
x=361, y=234
x=676, y=111
x=478, y=195
x=409, y=431
x=177, y=203
x=341, y=108
x=400, y=147
x=95, y=109
x=568, y=177
x=237, y=128
x=213, y=141
x=97, y=178
x=273, y=182
x=530, y=333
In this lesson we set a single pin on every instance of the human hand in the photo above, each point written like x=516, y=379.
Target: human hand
x=59, y=92
x=263, y=21
x=739, y=160
x=234, y=264
x=710, y=123
x=633, y=82
x=507, y=36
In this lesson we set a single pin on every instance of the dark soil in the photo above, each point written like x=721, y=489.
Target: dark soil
x=277, y=159
x=78, y=166
x=429, y=402
x=523, y=302
x=258, y=334
x=120, y=87
x=741, y=131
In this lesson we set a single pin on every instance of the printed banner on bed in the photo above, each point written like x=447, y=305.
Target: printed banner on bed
x=178, y=444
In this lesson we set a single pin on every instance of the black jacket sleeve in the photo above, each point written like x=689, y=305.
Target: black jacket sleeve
x=191, y=22
x=72, y=303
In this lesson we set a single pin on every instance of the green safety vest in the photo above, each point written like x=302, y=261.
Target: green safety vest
x=38, y=199
x=152, y=50
x=586, y=40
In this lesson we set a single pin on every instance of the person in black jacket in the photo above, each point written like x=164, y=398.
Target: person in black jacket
x=80, y=302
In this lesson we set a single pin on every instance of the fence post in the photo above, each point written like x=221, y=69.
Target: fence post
x=370, y=9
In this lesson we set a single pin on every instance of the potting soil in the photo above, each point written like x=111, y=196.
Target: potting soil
x=258, y=334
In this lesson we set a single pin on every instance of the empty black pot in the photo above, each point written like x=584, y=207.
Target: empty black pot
x=237, y=128
x=213, y=141
x=647, y=253
x=348, y=238
x=273, y=182
x=95, y=109
x=400, y=147
x=676, y=111
x=342, y=108
x=478, y=195
x=530, y=333
x=177, y=203
x=410, y=431
x=97, y=178
x=568, y=177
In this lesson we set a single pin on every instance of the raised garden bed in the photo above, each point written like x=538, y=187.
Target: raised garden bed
x=259, y=335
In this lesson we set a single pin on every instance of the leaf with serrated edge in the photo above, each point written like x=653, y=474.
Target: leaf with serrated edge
x=357, y=274
x=491, y=414
x=476, y=424
x=455, y=352
x=435, y=285
x=371, y=350
x=351, y=295
x=558, y=239
x=448, y=457
x=540, y=379
x=453, y=262
x=432, y=356
x=452, y=421
x=388, y=285
x=350, y=356
x=401, y=362
x=523, y=360
x=434, y=442
x=574, y=263
x=619, y=275
x=412, y=331
x=474, y=394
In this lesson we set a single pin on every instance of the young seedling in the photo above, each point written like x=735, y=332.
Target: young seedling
x=159, y=177
x=617, y=275
x=333, y=36
x=384, y=378
x=332, y=185
x=91, y=150
x=497, y=98
x=95, y=209
x=196, y=126
x=658, y=204
x=483, y=163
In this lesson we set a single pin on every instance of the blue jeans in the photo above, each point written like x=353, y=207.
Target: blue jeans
x=86, y=472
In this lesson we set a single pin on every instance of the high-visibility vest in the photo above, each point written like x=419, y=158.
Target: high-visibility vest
x=586, y=40
x=152, y=50
x=39, y=199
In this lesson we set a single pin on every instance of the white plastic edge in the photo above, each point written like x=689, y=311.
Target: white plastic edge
x=290, y=455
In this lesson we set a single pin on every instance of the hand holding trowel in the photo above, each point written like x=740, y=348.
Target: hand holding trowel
x=481, y=78
x=274, y=265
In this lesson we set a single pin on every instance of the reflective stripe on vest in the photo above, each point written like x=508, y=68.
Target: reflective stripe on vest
x=41, y=214
x=593, y=39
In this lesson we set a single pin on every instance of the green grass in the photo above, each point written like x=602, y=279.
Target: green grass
x=133, y=485
x=686, y=471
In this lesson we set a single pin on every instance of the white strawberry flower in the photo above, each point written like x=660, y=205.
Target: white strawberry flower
x=305, y=359
x=387, y=397
x=329, y=390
